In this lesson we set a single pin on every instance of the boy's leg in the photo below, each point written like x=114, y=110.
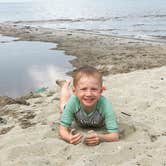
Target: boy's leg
x=64, y=94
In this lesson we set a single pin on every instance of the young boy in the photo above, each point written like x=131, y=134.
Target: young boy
x=88, y=107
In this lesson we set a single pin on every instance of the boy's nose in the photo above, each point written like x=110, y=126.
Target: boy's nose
x=88, y=92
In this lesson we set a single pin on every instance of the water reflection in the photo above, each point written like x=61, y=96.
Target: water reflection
x=6, y=39
x=43, y=76
x=26, y=66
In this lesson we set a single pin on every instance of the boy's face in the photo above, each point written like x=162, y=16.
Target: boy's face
x=88, y=91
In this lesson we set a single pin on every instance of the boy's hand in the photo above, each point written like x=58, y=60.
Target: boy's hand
x=75, y=138
x=92, y=138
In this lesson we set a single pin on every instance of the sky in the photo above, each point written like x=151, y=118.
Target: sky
x=15, y=0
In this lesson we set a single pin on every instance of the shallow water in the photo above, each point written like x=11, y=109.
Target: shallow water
x=26, y=66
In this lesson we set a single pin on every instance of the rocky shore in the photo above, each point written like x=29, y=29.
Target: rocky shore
x=110, y=54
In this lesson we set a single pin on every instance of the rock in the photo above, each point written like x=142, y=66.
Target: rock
x=5, y=130
x=31, y=95
x=5, y=100
x=3, y=121
x=22, y=101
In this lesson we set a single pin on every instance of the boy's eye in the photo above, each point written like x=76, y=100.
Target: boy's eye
x=86, y=89
x=94, y=89
x=83, y=89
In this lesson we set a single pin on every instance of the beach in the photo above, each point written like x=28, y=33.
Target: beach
x=135, y=76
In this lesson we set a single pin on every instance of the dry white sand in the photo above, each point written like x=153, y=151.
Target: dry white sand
x=141, y=94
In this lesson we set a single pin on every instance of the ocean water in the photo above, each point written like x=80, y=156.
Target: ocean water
x=134, y=18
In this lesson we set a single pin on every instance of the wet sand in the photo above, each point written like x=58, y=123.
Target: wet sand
x=136, y=85
x=110, y=54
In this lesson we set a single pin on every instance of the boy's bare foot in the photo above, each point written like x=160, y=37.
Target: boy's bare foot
x=65, y=92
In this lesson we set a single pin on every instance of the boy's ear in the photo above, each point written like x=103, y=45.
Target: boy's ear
x=103, y=88
x=74, y=89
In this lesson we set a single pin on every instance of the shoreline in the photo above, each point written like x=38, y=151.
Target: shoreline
x=109, y=54
x=135, y=80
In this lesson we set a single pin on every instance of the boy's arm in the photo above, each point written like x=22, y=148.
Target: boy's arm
x=66, y=119
x=110, y=124
x=95, y=139
x=109, y=137
x=67, y=135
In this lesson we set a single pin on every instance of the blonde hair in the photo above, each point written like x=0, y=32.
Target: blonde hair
x=87, y=71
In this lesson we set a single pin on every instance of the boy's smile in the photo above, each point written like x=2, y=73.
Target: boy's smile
x=88, y=91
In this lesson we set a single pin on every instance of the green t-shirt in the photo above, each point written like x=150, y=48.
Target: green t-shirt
x=102, y=115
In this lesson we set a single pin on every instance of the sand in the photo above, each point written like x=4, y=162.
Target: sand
x=136, y=85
